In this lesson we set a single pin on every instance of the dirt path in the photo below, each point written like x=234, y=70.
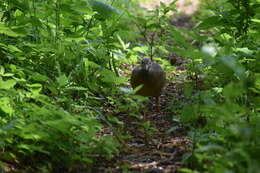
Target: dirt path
x=161, y=151
x=158, y=149
x=187, y=7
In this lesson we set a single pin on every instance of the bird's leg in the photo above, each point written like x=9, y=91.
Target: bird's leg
x=157, y=100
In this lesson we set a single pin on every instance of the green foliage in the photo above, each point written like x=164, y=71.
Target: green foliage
x=225, y=73
x=57, y=69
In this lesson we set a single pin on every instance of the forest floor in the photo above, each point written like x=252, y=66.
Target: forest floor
x=160, y=148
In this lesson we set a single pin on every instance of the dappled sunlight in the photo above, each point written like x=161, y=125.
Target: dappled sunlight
x=187, y=7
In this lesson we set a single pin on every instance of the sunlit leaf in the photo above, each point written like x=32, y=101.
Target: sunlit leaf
x=7, y=31
x=2, y=70
x=5, y=105
x=8, y=84
x=39, y=77
x=62, y=80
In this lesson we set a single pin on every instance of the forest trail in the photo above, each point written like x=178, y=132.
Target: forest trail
x=163, y=149
x=160, y=148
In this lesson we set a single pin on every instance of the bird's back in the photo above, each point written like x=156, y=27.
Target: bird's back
x=153, y=79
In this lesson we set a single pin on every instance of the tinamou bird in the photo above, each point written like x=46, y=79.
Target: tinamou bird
x=152, y=78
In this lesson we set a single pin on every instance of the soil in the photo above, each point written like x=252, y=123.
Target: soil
x=160, y=151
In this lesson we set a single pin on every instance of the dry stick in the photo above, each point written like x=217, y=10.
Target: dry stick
x=150, y=43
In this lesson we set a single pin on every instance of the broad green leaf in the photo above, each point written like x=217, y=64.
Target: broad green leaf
x=22, y=5
x=255, y=20
x=89, y=63
x=39, y=77
x=233, y=64
x=35, y=21
x=8, y=84
x=62, y=80
x=8, y=74
x=7, y=156
x=257, y=81
x=104, y=10
x=210, y=22
x=188, y=90
x=7, y=31
x=53, y=89
x=35, y=88
x=141, y=49
x=110, y=77
x=13, y=48
x=5, y=105
x=194, y=54
x=36, y=85
x=179, y=38
x=2, y=70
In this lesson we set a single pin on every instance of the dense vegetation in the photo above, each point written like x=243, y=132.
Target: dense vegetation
x=62, y=80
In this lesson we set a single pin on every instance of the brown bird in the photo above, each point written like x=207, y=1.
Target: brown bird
x=152, y=78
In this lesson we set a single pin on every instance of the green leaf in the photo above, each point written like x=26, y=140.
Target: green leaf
x=23, y=5
x=187, y=170
x=186, y=156
x=104, y=10
x=210, y=22
x=188, y=90
x=255, y=20
x=8, y=74
x=13, y=48
x=211, y=148
x=7, y=156
x=53, y=89
x=110, y=77
x=89, y=63
x=179, y=38
x=2, y=70
x=5, y=105
x=62, y=80
x=233, y=64
x=137, y=88
x=233, y=90
x=39, y=77
x=7, y=31
x=8, y=84
x=35, y=88
x=35, y=21
x=76, y=88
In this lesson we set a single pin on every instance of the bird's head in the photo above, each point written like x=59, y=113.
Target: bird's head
x=145, y=63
